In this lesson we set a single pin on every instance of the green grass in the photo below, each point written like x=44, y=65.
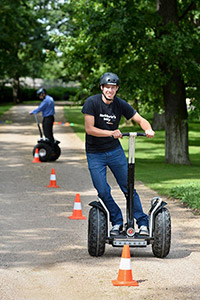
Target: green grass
x=170, y=180
x=4, y=108
x=189, y=193
x=73, y=115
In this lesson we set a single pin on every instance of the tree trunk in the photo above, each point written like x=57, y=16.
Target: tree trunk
x=16, y=89
x=176, y=127
x=176, y=133
x=158, y=122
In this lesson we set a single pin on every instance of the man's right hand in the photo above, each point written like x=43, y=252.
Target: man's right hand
x=117, y=134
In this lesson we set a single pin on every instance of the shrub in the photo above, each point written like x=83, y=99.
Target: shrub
x=6, y=94
x=62, y=93
x=29, y=94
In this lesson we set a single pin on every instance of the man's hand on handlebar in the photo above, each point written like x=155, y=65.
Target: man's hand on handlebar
x=150, y=133
x=117, y=134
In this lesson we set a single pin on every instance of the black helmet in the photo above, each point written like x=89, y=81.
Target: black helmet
x=41, y=91
x=109, y=78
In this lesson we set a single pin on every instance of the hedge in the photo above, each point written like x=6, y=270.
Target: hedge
x=29, y=94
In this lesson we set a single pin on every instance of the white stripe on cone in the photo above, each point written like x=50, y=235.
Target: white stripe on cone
x=77, y=206
x=53, y=177
x=125, y=264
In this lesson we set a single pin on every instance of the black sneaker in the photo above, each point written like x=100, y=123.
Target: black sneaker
x=116, y=229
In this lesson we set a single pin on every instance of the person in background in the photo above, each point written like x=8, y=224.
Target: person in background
x=102, y=116
x=47, y=108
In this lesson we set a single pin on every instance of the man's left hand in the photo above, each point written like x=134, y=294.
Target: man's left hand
x=150, y=133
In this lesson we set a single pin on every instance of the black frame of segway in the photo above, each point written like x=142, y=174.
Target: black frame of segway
x=40, y=130
x=156, y=203
x=130, y=187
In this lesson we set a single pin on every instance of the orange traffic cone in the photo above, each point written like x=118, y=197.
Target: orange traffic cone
x=125, y=272
x=52, y=183
x=36, y=157
x=77, y=211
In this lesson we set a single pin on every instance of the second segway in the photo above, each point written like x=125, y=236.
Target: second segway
x=46, y=153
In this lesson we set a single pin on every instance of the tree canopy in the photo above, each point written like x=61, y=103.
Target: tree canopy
x=23, y=38
x=129, y=38
x=153, y=46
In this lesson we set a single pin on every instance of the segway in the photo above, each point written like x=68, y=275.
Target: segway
x=159, y=219
x=46, y=153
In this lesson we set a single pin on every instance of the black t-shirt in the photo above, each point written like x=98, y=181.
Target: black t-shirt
x=107, y=117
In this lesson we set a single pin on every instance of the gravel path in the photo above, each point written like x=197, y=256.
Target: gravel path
x=43, y=254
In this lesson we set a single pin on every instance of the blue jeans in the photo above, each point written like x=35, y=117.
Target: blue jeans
x=116, y=160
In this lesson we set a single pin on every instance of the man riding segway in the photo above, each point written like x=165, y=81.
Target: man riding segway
x=102, y=116
x=48, y=112
x=48, y=147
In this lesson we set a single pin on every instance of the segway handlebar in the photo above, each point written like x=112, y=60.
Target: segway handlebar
x=36, y=118
x=40, y=131
x=134, y=134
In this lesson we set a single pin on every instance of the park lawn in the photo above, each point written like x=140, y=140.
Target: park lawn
x=178, y=181
x=4, y=108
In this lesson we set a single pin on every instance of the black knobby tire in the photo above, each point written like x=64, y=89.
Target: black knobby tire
x=162, y=233
x=44, y=151
x=55, y=154
x=97, y=232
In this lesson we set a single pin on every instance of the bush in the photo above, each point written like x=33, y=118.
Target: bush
x=29, y=94
x=62, y=93
x=25, y=94
x=6, y=94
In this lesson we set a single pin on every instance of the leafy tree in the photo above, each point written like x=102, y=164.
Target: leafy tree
x=153, y=46
x=178, y=36
x=23, y=38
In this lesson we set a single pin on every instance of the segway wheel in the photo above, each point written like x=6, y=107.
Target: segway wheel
x=44, y=151
x=162, y=234
x=97, y=231
x=55, y=154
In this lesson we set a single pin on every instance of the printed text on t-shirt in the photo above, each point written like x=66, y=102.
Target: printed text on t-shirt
x=109, y=119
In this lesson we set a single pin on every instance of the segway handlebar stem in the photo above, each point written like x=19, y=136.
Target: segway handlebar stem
x=40, y=131
x=130, y=180
x=132, y=135
x=36, y=118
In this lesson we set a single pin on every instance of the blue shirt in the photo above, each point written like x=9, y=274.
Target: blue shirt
x=46, y=107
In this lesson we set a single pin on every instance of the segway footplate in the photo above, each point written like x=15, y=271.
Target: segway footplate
x=132, y=242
